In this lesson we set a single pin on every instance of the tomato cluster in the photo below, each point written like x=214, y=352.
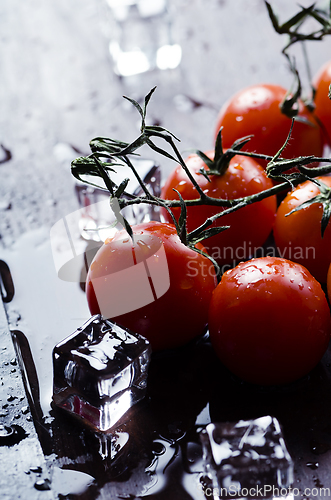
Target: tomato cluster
x=268, y=318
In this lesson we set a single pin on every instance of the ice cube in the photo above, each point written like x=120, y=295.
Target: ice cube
x=100, y=371
x=247, y=457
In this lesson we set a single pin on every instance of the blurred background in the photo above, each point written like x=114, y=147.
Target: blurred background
x=62, y=84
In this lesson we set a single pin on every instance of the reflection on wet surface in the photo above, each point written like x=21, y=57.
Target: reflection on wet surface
x=155, y=450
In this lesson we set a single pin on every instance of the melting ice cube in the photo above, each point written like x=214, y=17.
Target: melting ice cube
x=100, y=371
x=243, y=456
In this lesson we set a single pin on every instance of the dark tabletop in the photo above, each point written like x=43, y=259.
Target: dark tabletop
x=58, y=90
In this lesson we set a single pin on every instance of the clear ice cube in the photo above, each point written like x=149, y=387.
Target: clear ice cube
x=100, y=371
x=247, y=455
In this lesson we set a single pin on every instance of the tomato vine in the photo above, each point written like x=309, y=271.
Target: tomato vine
x=109, y=152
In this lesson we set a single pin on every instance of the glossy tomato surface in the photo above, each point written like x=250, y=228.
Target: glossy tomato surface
x=298, y=236
x=256, y=110
x=321, y=83
x=329, y=284
x=153, y=285
x=249, y=226
x=269, y=321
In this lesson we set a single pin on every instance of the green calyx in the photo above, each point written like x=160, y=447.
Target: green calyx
x=220, y=163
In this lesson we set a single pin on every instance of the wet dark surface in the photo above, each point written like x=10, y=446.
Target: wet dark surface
x=155, y=450
x=23, y=466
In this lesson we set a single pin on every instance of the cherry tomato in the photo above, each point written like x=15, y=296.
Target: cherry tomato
x=298, y=236
x=269, y=321
x=249, y=226
x=256, y=110
x=154, y=285
x=321, y=83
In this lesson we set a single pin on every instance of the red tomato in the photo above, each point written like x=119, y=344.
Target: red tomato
x=298, y=236
x=250, y=226
x=321, y=82
x=255, y=110
x=329, y=284
x=153, y=285
x=269, y=321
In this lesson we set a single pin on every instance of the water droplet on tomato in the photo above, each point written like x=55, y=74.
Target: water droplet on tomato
x=186, y=283
x=108, y=240
x=256, y=181
x=142, y=244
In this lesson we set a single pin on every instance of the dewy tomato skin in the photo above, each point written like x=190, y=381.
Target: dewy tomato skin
x=269, y=321
x=255, y=110
x=298, y=236
x=179, y=312
x=249, y=227
x=321, y=83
